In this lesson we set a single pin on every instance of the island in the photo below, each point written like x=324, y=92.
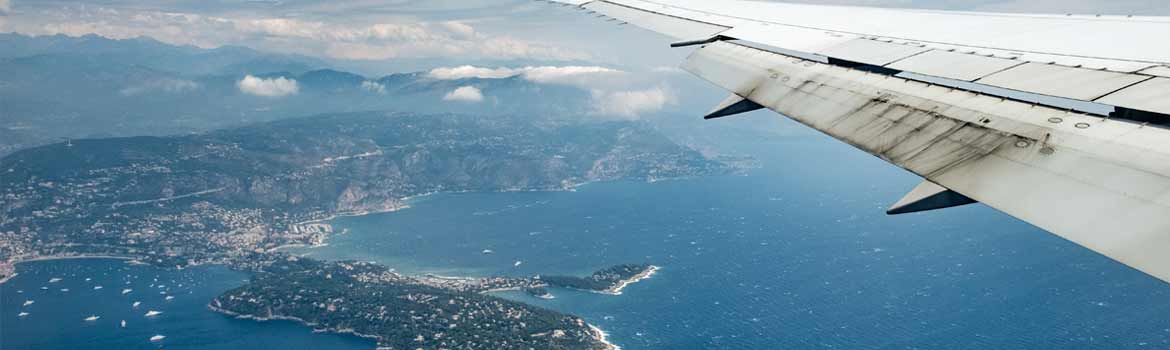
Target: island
x=428, y=312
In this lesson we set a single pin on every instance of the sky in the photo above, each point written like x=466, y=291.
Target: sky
x=376, y=37
x=379, y=30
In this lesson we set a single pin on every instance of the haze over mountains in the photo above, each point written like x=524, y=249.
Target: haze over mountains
x=54, y=88
x=110, y=146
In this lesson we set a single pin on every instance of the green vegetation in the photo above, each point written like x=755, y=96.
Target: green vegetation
x=601, y=280
x=400, y=312
x=220, y=196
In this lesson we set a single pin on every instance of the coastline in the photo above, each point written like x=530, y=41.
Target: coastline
x=598, y=334
x=617, y=289
x=299, y=320
x=58, y=257
x=603, y=337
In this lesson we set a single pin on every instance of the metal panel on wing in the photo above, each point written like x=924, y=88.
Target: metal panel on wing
x=953, y=65
x=1161, y=71
x=873, y=52
x=1061, y=81
x=672, y=26
x=1151, y=95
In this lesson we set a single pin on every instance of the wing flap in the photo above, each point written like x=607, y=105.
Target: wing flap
x=1076, y=57
x=1104, y=185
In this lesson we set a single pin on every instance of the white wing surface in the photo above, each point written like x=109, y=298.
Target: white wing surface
x=975, y=103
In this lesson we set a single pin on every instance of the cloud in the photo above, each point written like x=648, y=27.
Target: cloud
x=465, y=94
x=574, y=75
x=5, y=6
x=164, y=85
x=632, y=104
x=459, y=28
x=326, y=37
x=374, y=87
x=275, y=87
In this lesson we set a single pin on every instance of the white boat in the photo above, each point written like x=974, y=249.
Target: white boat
x=28, y=302
x=158, y=338
x=488, y=251
x=169, y=297
x=123, y=323
x=127, y=291
x=64, y=289
x=54, y=280
x=97, y=287
x=136, y=303
x=517, y=264
x=22, y=314
x=92, y=318
x=153, y=313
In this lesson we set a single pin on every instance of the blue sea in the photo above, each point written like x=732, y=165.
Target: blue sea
x=795, y=255
x=56, y=318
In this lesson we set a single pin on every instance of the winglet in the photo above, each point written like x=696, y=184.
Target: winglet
x=731, y=106
x=928, y=196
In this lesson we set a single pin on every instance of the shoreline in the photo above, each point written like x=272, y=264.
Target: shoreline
x=603, y=337
x=312, y=326
x=617, y=289
x=59, y=257
x=598, y=334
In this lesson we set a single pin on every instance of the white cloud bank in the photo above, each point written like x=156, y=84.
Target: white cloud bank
x=465, y=94
x=275, y=87
x=324, y=37
x=632, y=104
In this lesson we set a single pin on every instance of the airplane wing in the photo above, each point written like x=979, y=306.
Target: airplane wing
x=1059, y=120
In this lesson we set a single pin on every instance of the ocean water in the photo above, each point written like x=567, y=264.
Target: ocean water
x=796, y=255
x=56, y=318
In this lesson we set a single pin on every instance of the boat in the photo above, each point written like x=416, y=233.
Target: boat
x=158, y=338
x=487, y=251
x=64, y=289
x=127, y=291
x=153, y=313
x=136, y=303
x=97, y=287
x=92, y=318
x=517, y=264
x=123, y=323
x=28, y=302
x=169, y=297
x=54, y=280
x=22, y=314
